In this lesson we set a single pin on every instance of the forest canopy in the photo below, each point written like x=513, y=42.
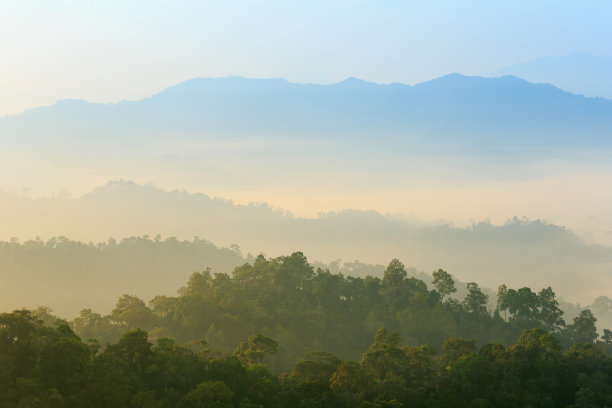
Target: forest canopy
x=277, y=332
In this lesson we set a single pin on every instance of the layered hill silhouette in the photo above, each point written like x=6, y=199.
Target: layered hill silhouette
x=519, y=253
x=355, y=137
x=454, y=109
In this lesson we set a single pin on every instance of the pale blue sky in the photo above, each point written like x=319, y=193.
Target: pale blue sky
x=106, y=51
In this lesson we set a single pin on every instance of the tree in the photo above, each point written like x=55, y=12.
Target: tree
x=163, y=306
x=316, y=366
x=523, y=305
x=134, y=348
x=502, y=292
x=350, y=382
x=549, y=313
x=210, y=394
x=293, y=272
x=132, y=311
x=199, y=284
x=384, y=356
x=607, y=336
x=255, y=348
x=538, y=340
x=602, y=305
x=444, y=283
x=456, y=347
x=89, y=325
x=39, y=365
x=19, y=346
x=393, y=283
x=582, y=330
x=475, y=301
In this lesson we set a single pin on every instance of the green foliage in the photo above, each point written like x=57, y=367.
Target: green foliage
x=475, y=302
x=88, y=274
x=582, y=329
x=444, y=283
x=255, y=348
x=213, y=394
x=46, y=366
x=306, y=310
x=133, y=313
x=345, y=342
x=530, y=309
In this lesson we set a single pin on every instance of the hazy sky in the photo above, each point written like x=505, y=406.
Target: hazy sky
x=106, y=51
x=109, y=50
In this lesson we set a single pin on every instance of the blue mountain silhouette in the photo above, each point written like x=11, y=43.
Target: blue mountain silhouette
x=453, y=109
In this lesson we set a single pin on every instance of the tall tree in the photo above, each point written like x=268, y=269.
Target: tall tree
x=393, y=283
x=502, y=292
x=444, y=283
x=582, y=329
x=476, y=300
x=549, y=312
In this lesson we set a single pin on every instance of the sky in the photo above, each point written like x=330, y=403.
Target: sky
x=107, y=51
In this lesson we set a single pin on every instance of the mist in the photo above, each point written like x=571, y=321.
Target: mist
x=263, y=204
x=516, y=252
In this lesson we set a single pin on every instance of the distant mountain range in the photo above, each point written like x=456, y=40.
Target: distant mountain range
x=579, y=73
x=427, y=145
x=454, y=109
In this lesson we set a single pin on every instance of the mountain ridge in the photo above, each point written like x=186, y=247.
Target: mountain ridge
x=577, y=72
x=517, y=252
x=507, y=78
x=453, y=109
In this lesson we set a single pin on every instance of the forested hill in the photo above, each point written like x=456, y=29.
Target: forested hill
x=70, y=275
x=453, y=109
x=519, y=252
x=309, y=309
x=325, y=340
